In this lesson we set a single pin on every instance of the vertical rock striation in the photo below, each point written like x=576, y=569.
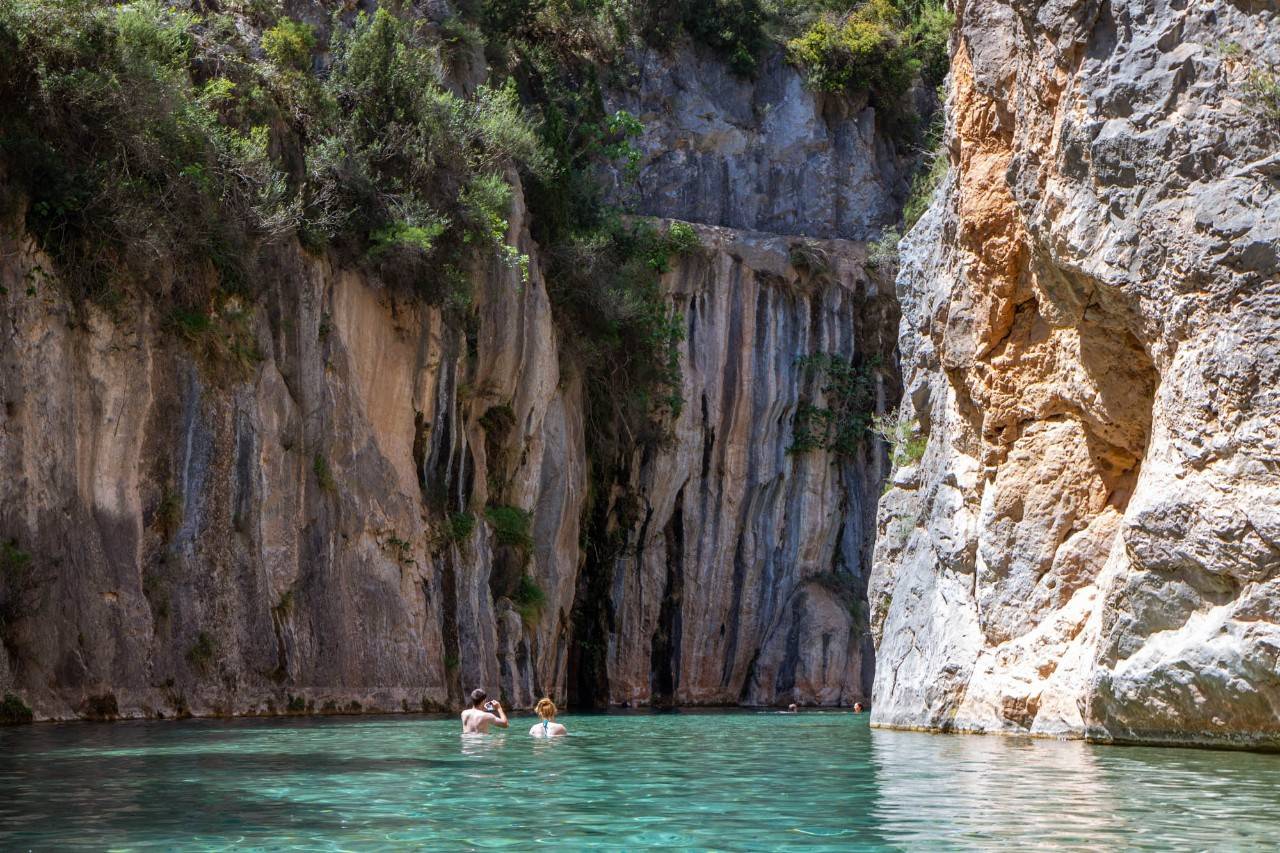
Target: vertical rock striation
x=275, y=539
x=288, y=513
x=1089, y=340
x=746, y=570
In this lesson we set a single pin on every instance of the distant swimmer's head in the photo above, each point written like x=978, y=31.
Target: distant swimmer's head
x=793, y=707
x=477, y=697
x=546, y=709
x=857, y=707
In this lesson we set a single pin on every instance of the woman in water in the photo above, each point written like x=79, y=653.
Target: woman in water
x=548, y=727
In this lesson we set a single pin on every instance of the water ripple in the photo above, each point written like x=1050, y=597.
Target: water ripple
x=733, y=781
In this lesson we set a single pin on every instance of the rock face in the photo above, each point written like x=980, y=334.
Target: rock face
x=747, y=575
x=768, y=154
x=276, y=516
x=1091, y=321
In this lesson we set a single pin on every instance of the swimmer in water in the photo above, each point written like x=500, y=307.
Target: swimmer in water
x=477, y=719
x=857, y=707
x=548, y=727
x=793, y=708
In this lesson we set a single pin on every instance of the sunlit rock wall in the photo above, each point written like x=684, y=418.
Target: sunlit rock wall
x=1090, y=332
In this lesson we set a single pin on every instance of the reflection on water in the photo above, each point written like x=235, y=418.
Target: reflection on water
x=978, y=792
x=814, y=782
x=955, y=791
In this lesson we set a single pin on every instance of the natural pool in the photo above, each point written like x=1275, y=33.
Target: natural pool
x=725, y=781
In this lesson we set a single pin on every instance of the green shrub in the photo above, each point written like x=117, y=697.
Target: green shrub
x=602, y=272
x=289, y=44
x=190, y=323
x=606, y=284
x=902, y=434
x=14, y=710
x=421, y=237
x=848, y=390
x=140, y=134
x=405, y=167
x=1262, y=93
x=929, y=35
x=881, y=47
x=529, y=599
x=681, y=239
x=735, y=28
x=882, y=252
x=324, y=476
x=459, y=36
x=740, y=31
x=930, y=170
x=865, y=50
x=121, y=154
x=812, y=260
x=221, y=335
x=572, y=29
x=460, y=526
x=511, y=526
x=402, y=549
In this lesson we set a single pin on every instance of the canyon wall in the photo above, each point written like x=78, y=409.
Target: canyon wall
x=1090, y=544
x=273, y=515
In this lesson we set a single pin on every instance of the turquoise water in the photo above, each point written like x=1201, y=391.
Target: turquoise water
x=723, y=781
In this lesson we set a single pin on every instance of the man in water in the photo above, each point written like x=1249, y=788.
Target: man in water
x=857, y=707
x=792, y=709
x=482, y=714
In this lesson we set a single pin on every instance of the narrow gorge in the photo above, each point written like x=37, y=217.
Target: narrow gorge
x=333, y=524
x=577, y=355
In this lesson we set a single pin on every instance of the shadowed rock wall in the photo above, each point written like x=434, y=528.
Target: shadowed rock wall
x=258, y=521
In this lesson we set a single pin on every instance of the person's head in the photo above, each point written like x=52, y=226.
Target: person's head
x=477, y=697
x=546, y=709
x=857, y=707
x=793, y=707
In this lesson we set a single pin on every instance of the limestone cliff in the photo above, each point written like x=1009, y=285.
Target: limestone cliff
x=1089, y=341
x=278, y=518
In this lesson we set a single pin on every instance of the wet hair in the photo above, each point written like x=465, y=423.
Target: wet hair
x=477, y=697
x=546, y=708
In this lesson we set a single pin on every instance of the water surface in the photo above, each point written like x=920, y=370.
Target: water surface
x=723, y=781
